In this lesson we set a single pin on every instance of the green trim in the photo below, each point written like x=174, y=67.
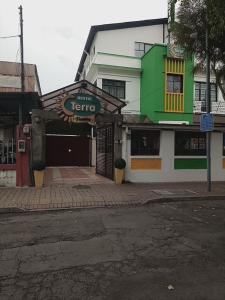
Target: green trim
x=153, y=46
x=190, y=163
x=119, y=55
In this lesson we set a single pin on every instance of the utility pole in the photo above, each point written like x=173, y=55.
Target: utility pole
x=208, y=103
x=22, y=66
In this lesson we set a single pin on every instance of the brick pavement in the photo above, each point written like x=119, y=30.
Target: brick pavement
x=101, y=195
x=76, y=187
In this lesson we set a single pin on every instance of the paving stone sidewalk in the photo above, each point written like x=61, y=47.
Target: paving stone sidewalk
x=103, y=195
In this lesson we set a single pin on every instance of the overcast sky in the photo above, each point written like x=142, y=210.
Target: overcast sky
x=55, y=31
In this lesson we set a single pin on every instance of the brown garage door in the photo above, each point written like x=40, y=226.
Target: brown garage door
x=67, y=151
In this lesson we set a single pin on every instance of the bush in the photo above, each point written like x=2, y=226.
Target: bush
x=120, y=163
x=38, y=165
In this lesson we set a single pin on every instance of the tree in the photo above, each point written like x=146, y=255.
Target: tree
x=193, y=17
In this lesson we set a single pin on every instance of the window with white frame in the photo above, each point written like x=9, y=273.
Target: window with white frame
x=200, y=91
x=190, y=143
x=145, y=142
x=116, y=88
x=141, y=48
x=174, y=83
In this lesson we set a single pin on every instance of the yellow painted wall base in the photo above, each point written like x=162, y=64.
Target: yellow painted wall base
x=146, y=164
x=119, y=176
x=39, y=178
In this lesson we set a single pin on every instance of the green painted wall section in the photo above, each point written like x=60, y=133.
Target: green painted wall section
x=153, y=87
x=190, y=163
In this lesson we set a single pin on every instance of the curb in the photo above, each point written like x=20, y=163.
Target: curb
x=184, y=199
x=57, y=209
x=160, y=200
x=10, y=210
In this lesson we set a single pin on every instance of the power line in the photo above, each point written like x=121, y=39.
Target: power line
x=9, y=36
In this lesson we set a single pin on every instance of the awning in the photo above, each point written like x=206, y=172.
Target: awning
x=9, y=102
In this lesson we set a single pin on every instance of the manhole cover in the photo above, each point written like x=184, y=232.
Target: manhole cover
x=81, y=187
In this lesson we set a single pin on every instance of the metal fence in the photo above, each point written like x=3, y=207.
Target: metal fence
x=8, y=151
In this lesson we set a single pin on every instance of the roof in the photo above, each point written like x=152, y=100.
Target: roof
x=9, y=102
x=8, y=68
x=113, y=26
x=109, y=103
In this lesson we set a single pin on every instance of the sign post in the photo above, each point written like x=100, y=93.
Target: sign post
x=207, y=125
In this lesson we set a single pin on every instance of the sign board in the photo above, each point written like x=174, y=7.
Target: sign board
x=207, y=123
x=79, y=108
x=175, y=51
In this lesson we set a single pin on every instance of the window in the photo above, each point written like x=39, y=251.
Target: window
x=141, y=48
x=200, y=92
x=190, y=143
x=174, y=83
x=114, y=87
x=145, y=142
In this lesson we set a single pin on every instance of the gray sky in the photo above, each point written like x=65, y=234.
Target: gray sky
x=55, y=31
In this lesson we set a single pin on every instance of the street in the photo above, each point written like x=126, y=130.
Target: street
x=153, y=252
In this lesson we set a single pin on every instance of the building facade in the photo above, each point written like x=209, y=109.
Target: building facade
x=164, y=100
x=10, y=100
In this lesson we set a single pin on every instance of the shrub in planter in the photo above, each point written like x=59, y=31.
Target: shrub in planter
x=120, y=165
x=38, y=167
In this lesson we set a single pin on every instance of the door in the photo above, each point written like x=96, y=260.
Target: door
x=104, y=153
x=67, y=150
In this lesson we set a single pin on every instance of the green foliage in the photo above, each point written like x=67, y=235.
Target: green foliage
x=120, y=163
x=193, y=17
x=38, y=165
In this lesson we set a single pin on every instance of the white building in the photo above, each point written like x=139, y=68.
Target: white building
x=112, y=56
x=112, y=61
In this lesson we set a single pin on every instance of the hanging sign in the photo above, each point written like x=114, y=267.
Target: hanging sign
x=79, y=108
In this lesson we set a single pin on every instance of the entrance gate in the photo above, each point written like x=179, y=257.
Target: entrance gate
x=67, y=150
x=105, y=147
x=80, y=102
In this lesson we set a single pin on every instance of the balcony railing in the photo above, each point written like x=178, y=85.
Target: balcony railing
x=216, y=107
x=174, y=102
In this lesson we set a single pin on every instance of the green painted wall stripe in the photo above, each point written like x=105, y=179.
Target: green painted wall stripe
x=190, y=163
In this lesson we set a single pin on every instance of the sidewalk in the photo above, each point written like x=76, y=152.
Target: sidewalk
x=104, y=195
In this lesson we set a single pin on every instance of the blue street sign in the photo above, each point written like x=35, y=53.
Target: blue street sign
x=207, y=123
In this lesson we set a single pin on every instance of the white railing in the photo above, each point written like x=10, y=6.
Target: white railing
x=216, y=108
x=7, y=151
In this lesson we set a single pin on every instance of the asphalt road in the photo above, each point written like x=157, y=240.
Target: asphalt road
x=115, y=254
